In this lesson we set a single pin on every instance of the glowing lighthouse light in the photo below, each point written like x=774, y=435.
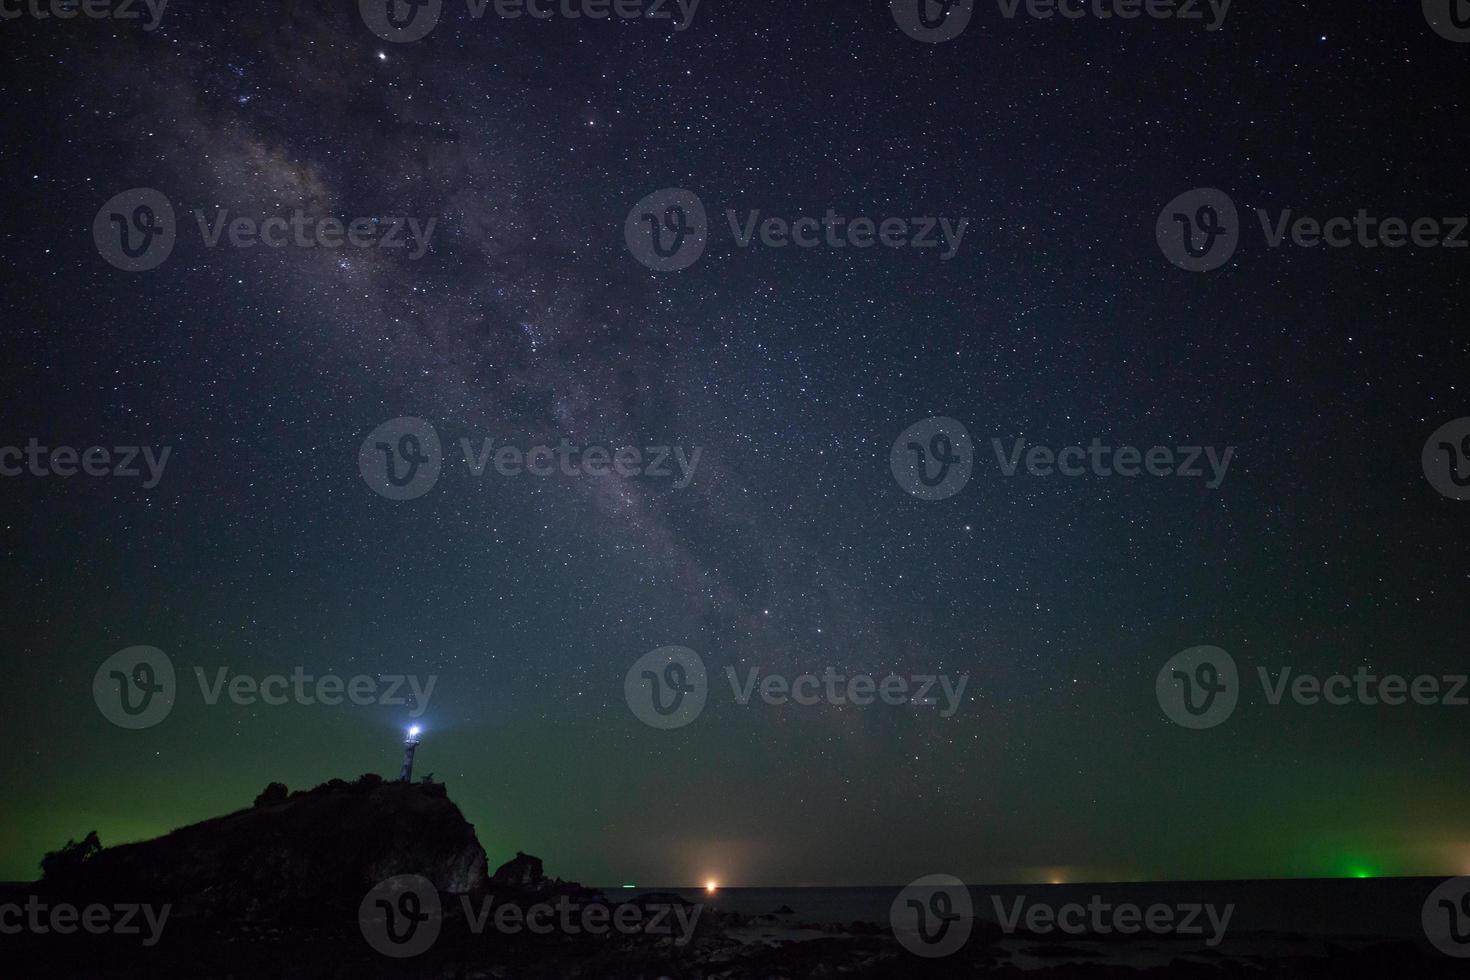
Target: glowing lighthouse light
x=410, y=743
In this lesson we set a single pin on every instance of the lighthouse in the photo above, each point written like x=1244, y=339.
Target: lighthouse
x=410, y=742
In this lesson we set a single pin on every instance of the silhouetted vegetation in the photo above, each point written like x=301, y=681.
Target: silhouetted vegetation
x=274, y=793
x=69, y=858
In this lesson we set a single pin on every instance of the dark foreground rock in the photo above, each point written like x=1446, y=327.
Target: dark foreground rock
x=303, y=951
x=306, y=855
x=278, y=892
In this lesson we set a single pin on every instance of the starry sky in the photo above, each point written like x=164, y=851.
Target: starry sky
x=528, y=320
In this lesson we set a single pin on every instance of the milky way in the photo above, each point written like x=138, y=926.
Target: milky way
x=526, y=320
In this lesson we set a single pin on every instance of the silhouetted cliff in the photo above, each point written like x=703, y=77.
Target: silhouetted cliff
x=307, y=854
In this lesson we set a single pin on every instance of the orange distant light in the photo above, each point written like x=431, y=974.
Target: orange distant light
x=711, y=886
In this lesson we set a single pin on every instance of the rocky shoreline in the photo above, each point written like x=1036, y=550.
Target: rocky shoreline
x=371, y=878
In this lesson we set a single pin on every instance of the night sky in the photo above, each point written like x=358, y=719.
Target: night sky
x=527, y=320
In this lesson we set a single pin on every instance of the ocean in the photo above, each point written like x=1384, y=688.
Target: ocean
x=1321, y=908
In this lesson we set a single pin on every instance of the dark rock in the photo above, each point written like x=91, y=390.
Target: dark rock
x=272, y=794
x=523, y=872
x=70, y=858
x=660, y=899
x=310, y=855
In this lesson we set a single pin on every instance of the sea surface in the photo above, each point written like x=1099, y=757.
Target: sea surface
x=1329, y=908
